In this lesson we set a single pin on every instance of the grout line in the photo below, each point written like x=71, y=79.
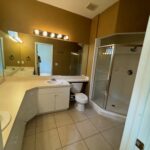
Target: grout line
x=81, y=137
x=107, y=141
x=58, y=132
x=75, y=124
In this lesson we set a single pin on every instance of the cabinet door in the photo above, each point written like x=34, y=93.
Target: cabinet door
x=28, y=107
x=46, y=103
x=62, y=101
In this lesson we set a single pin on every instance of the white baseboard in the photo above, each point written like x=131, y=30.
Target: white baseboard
x=106, y=113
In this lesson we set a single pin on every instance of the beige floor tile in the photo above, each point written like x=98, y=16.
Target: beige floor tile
x=48, y=140
x=77, y=116
x=102, y=123
x=45, y=122
x=97, y=142
x=76, y=146
x=29, y=143
x=113, y=136
x=68, y=135
x=30, y=127
x=86, y=128
x=63, y=118
x=89, y=112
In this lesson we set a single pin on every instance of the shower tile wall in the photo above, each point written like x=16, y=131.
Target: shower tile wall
x=112, y=90
x=122, y=78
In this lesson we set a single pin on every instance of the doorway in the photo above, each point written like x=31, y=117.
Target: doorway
x=44, y=59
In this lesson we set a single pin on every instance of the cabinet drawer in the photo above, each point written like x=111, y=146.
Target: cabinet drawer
x=53, y=90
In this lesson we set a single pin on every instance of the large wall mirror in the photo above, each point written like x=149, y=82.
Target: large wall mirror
x=36, y=55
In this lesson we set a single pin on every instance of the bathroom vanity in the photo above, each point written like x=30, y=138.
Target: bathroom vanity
x=52, y=99
x=24, y=98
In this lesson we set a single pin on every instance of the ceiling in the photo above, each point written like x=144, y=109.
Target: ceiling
x=79, y=6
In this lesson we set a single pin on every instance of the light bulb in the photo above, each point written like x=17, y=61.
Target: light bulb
x=59, y=36
x=66, y=37
x=45, y=33
x=52, y=35
x=37, y=32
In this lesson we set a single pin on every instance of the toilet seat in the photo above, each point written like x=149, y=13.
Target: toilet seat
x=81, y=98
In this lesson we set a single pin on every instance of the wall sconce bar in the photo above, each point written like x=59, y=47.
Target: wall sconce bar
x=50, y=34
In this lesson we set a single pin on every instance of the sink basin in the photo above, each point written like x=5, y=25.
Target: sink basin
x=52, y=82
x=56, y=82
x=5, y=118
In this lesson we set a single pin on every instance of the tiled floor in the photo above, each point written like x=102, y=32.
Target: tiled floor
x=73, y=130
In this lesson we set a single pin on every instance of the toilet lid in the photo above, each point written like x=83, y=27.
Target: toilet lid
x=81, y=98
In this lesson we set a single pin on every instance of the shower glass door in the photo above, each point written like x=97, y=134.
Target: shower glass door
x=102, y=75
x=125, y=63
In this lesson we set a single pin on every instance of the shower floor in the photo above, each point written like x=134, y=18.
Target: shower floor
x=116, y=106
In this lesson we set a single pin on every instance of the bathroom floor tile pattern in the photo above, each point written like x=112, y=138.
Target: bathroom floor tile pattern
x=73, y=130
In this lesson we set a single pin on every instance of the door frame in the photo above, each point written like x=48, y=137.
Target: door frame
x=35, y=52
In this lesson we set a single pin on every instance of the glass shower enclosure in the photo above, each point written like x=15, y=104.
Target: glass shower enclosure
x=115, y=72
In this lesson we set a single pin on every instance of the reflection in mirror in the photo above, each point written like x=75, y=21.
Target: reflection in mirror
x=1, y=61
x=36, y=55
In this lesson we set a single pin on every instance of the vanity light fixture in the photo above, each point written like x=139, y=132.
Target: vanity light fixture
x=66, y=37
x=59, y=36
x=50, y=34
x=37, y=32
x=45, y=33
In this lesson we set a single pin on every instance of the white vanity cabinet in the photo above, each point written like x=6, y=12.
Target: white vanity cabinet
x=52, y=99
x=28, y=107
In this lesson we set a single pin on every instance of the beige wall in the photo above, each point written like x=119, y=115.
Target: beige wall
x=93, y=35
x=26, y=15
x=133, y=15
x=108, y=21
x=102, y=25
x=84, y=62
x=123, y=16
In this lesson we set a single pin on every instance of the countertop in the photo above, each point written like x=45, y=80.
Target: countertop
x=12, y=92
x=74, y=79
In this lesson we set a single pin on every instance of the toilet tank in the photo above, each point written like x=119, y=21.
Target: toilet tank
x=76, y=87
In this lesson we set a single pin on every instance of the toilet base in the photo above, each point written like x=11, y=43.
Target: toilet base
x=80, y=107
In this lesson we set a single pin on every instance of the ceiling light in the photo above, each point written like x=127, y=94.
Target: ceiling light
x=45, y=33
x=59, y=36
x=52, y=35
x=37, y=32
x=66, y=37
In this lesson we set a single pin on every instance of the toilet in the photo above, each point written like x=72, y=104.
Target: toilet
x=80, y=98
